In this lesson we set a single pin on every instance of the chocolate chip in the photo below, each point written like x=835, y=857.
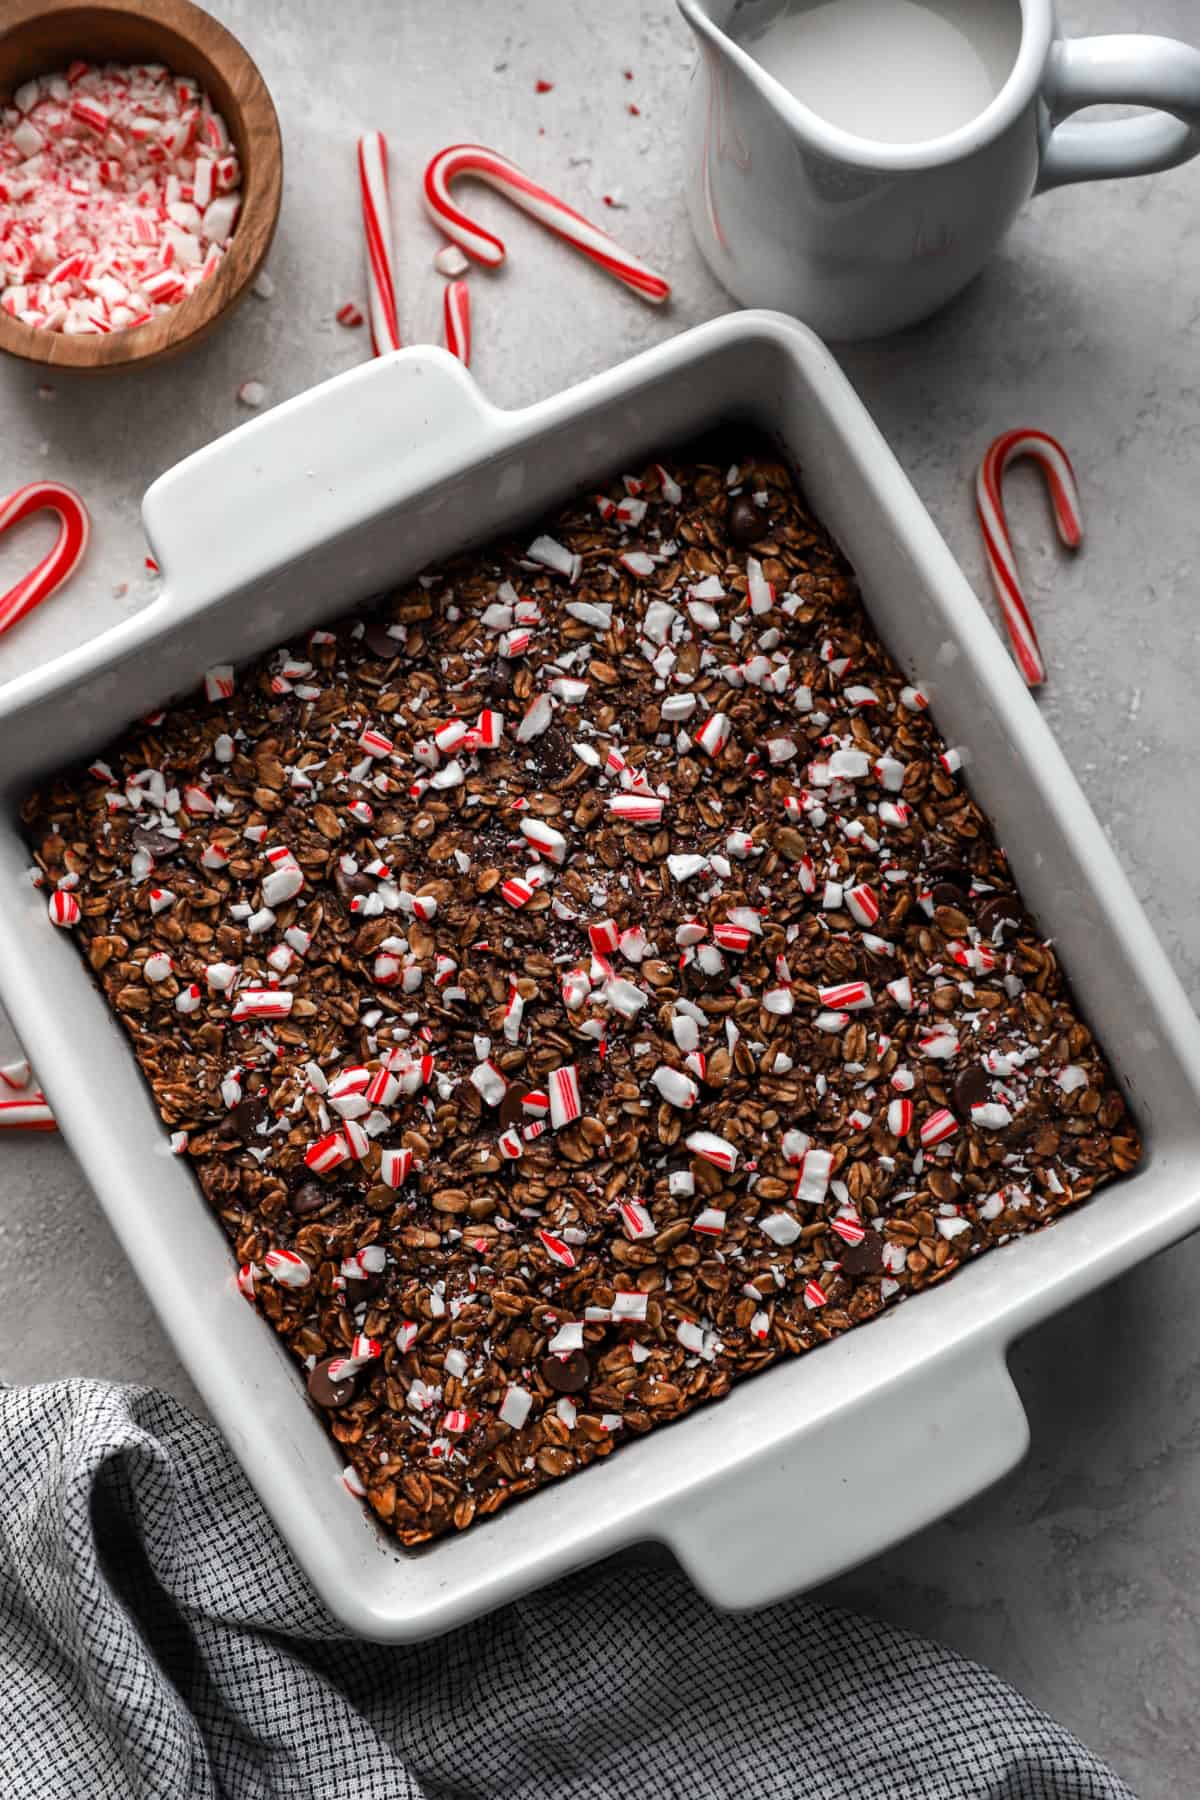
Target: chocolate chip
x=362, y=1287
x=567, y=1374
x=246, y=1117
x=349, y=885
x=970, y=1089
x=950, y=872
x=512, y=1110
x=379, y=640
x=865, y=1258
x=551, y=753
x=1001, y=914
x=747, y=522
x=325, y=1390
x=309, y=1197
x=944, y=893
x=159, y=845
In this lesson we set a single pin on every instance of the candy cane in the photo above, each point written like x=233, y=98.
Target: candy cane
x=75, y=527
x=29, y=1114
x=456, y=311
x=498, y=172
x=377, y=227
x=1055, y=465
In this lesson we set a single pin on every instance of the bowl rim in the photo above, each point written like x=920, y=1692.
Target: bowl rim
x=262, y=190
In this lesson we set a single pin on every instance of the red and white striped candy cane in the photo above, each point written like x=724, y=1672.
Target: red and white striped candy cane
x=30, y=1113
x=1055, y=465
x=456, y=312
x=75, y=528
x=498, y=172
x=377, y=228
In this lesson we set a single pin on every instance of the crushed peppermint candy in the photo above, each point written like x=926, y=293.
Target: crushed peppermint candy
x=121, y=192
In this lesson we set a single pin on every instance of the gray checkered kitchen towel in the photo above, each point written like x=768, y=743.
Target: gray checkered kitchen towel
x=156, y=1640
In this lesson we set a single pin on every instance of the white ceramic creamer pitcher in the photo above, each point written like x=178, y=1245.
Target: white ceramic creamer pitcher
x=859, y=236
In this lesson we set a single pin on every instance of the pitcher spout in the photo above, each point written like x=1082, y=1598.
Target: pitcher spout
x=696, y=11
x=725, y=59
x=709, y=21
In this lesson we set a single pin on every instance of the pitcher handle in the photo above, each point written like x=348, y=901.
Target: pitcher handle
x=1129, y=70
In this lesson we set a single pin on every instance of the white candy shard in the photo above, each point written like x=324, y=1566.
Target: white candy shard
x=515, y=1407
x=814, y=1176
x=536, y=720
x=713, y=1149
x=553, y=555
x=675, y=1087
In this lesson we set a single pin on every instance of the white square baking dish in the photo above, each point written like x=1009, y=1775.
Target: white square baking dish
x=817, y=1463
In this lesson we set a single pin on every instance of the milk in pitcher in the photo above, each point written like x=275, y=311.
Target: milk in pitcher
x=897, y=71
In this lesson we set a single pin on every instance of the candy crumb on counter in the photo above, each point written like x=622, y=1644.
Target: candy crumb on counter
x=450, y=261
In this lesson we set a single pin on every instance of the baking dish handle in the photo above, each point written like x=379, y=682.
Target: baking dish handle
x=312, y=467
x=773, y=1524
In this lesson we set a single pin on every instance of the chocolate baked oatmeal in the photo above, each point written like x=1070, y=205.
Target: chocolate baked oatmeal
x=579, y=982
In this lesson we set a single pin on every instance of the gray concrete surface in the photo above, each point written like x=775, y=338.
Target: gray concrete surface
x=1079, y=1577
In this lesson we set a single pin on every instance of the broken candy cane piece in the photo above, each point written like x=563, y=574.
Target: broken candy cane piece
x=456, y=317
x=498, y=172
x=377, y=232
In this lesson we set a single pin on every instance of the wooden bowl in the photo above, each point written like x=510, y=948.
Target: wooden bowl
x=38, y=36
